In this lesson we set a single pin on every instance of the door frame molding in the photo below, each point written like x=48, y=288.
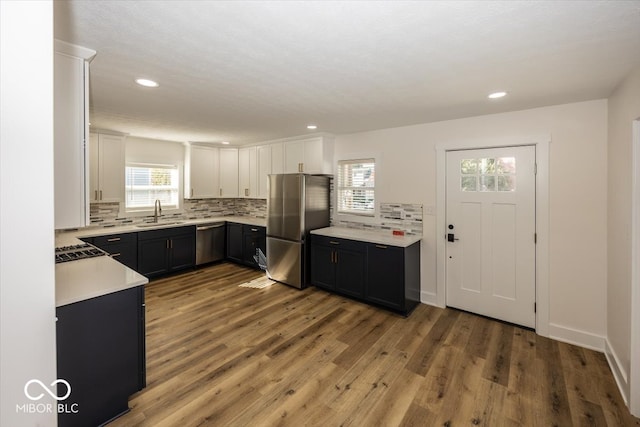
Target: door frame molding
x=634, y=374
x=541, y=143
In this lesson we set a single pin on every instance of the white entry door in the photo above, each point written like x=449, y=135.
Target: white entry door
x=490, y=232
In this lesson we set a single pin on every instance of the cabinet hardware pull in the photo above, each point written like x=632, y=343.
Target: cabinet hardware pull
x=114, y=239
x=100, y=194
x=167, y=243
x=300, y=167
x=254, y=229
x=336, y=257
x=115, y=255
x=332, y=257
x=334, y=242
x=246, y=192
x=192, y=192
x=171, y=244
x=221, y=191
x=381, y=246
x=95, y=195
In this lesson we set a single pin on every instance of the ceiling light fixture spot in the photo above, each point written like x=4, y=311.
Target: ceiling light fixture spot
x=147, y=83
x=225, y=143
x=496, y=95
x=312, y=127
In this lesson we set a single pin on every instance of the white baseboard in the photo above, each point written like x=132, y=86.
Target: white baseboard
x=429, y=298
x=577, y=337
x=619, y=373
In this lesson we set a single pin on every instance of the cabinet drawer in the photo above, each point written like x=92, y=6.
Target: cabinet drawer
x=253, y=229
x=102, y=241
x=351, y=245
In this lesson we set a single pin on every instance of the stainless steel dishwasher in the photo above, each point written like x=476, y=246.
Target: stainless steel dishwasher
x=210, y=242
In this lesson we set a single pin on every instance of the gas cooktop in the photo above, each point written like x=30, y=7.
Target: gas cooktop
x=75, y=252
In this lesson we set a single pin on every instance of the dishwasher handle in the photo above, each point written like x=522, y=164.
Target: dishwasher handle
x=208, y=227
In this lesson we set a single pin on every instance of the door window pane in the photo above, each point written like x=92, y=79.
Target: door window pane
x=506, y=183
x=487, y=183
x=506, y=165
x=469, y=183
x=469, y=166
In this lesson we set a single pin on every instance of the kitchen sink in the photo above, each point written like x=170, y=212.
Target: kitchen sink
x=158, y=224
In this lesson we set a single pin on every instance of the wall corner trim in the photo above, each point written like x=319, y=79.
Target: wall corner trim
x=618, y=371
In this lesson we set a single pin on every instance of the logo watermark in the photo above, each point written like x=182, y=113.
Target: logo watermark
x=31, y=389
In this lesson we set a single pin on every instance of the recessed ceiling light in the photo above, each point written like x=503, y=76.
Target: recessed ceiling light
x=496, y=95
x=225, y=143
x=312, y=127
x=147, y=83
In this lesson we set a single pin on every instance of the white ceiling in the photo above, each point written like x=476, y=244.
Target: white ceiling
x=254, y=71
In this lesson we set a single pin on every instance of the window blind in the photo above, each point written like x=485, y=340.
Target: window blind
x=356, y=186
x=144, y=184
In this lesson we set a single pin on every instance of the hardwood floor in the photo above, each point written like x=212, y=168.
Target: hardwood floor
x=220, y=355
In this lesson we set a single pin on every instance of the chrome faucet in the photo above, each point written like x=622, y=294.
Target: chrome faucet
x=157, y=210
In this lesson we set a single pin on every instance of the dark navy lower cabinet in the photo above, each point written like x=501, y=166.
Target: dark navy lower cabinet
x=383, y=275
x=101, y=354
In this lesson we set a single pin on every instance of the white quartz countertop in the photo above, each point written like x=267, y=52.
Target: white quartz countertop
x=93, y=277
x=65, y=238
x=369, y=236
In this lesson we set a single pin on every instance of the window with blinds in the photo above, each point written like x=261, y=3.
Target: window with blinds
x=356, y=186
x=144, y=184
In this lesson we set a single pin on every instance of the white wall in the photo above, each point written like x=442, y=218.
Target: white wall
x=578, y=196
x=27, y=294
x=624, y=107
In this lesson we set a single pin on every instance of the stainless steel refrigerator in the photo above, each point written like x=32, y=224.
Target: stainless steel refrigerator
x=297, y=204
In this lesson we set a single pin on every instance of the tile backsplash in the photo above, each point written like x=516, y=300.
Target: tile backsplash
x=107, y=214
x=393, y=216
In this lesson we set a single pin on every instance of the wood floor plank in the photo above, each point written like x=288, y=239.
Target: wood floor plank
x=220, y=355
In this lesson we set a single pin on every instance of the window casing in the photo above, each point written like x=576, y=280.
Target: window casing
x=356, y=187
x=145, y=183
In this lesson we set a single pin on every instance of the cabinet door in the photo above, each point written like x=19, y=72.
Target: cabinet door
x=153, y=256
x=94, y=166
x=323, y=267
x=70, y=181
x=254, y=238
x=247, y=172
x=350, y=272
x=264, y=169
x=100, y=344
x=277, y=158
x=294, y=157
x=234, y=242
x=111, y=168
x=313, y=155
x=203, y=172
x=182, y=251
x=228, y=172
x=385, y=275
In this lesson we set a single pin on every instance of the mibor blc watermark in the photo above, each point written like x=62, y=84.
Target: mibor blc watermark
x=34, y=390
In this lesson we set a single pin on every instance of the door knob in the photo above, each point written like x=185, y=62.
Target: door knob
x=451, y=237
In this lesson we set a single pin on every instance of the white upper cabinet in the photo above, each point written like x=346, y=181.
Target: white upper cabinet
x=228, y=172
x=202, y=167
x=312, y=155
x=248, y=172
x=71, y=112
x=270, y=161
x=106, y=168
